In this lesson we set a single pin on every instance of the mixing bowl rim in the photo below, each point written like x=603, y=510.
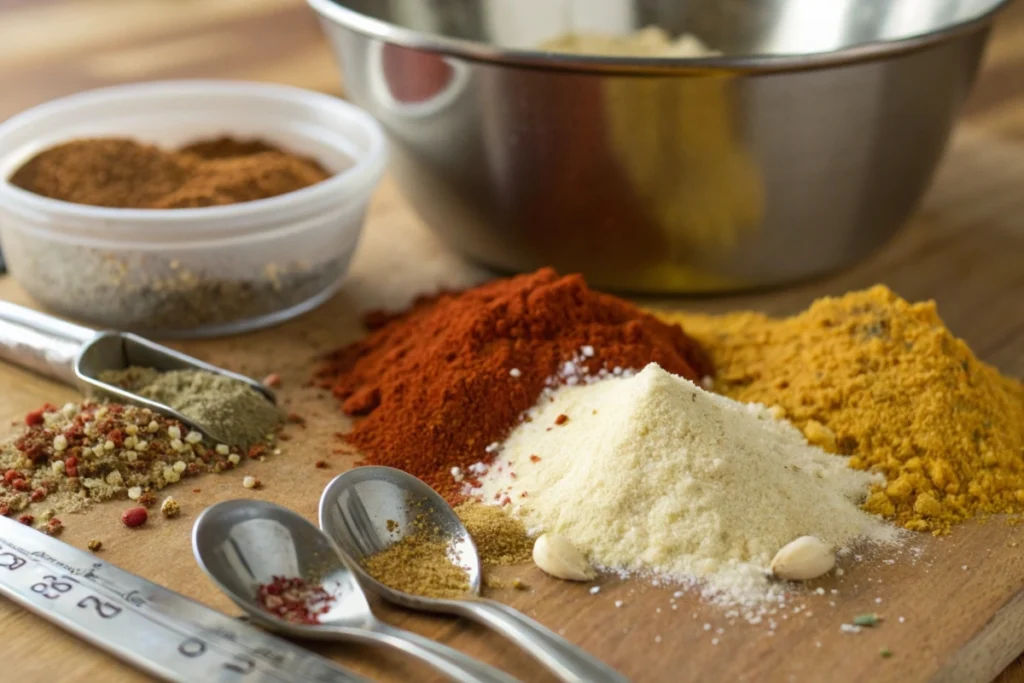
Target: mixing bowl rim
x=486, y=52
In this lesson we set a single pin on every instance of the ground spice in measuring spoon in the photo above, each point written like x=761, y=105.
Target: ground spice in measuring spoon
x=227, y=407
x=294, y=600
x=442, y=381
x=420, y=564
x=122, y=173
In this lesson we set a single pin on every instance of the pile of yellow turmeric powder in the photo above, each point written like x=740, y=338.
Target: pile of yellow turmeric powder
x=872, y=376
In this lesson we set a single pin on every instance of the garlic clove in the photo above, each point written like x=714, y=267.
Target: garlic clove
x=808, y=557
x=558, y=556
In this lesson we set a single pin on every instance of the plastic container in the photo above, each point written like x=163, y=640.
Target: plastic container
x=202, y=271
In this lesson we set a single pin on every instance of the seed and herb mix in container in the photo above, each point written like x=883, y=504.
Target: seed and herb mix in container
x=241, y=215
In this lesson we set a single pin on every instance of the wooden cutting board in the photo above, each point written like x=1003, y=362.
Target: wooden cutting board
x=953, y=607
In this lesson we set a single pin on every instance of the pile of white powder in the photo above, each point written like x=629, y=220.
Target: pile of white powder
x=651, y=474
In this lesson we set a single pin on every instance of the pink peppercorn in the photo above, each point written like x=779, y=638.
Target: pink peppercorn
x=133, y=517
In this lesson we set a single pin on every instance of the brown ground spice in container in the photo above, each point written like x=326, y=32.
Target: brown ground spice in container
x=442, y=381
x=122, y=173
x=884, y=381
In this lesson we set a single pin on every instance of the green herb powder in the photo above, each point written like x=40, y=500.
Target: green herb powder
x=226, y=407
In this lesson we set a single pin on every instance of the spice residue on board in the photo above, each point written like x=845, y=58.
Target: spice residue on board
x=227, y=407
x=871, y=376
x=435, y=386
x=500, y=539
x=295, y=600
x=64, y=459
x=671, y=481
x=123, y=173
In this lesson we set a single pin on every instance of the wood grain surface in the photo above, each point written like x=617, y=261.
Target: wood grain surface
x=960, y=597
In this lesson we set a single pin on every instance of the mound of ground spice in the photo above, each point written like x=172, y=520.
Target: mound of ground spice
x=500, y=539
x=875, y=377
x=441, y=382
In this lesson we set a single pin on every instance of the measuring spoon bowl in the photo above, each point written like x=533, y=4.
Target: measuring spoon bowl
x=244, y=544
x=368, y=509
x=77, y=356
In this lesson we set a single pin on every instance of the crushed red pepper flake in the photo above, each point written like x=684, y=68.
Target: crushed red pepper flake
x=294, y=600
x=561, y=419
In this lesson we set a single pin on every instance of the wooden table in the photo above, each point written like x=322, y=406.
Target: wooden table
x=964, y=249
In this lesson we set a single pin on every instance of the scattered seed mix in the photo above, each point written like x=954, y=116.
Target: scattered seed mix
x=653, y=475
x=65, y=458
x=871, y=376
x=294, y=600
x=436, y=385
x=229, y=408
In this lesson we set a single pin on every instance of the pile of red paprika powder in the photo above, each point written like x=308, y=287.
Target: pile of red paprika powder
x=438, y=383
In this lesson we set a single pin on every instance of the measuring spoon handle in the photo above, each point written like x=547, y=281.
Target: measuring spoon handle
x=449, y=661
x=40, y=342
x=569, y=662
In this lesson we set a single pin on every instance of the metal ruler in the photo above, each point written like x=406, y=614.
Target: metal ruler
x=157, y=630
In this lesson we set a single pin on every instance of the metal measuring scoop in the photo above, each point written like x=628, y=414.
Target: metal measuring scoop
x=243, y=544
x=77, y=355
x=359, y=510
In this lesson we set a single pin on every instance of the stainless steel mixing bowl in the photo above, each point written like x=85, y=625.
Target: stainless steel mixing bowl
x=799, y=150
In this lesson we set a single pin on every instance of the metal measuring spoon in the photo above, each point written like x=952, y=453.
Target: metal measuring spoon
x=243, y=544
x=77, y=355
x=359, y=510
